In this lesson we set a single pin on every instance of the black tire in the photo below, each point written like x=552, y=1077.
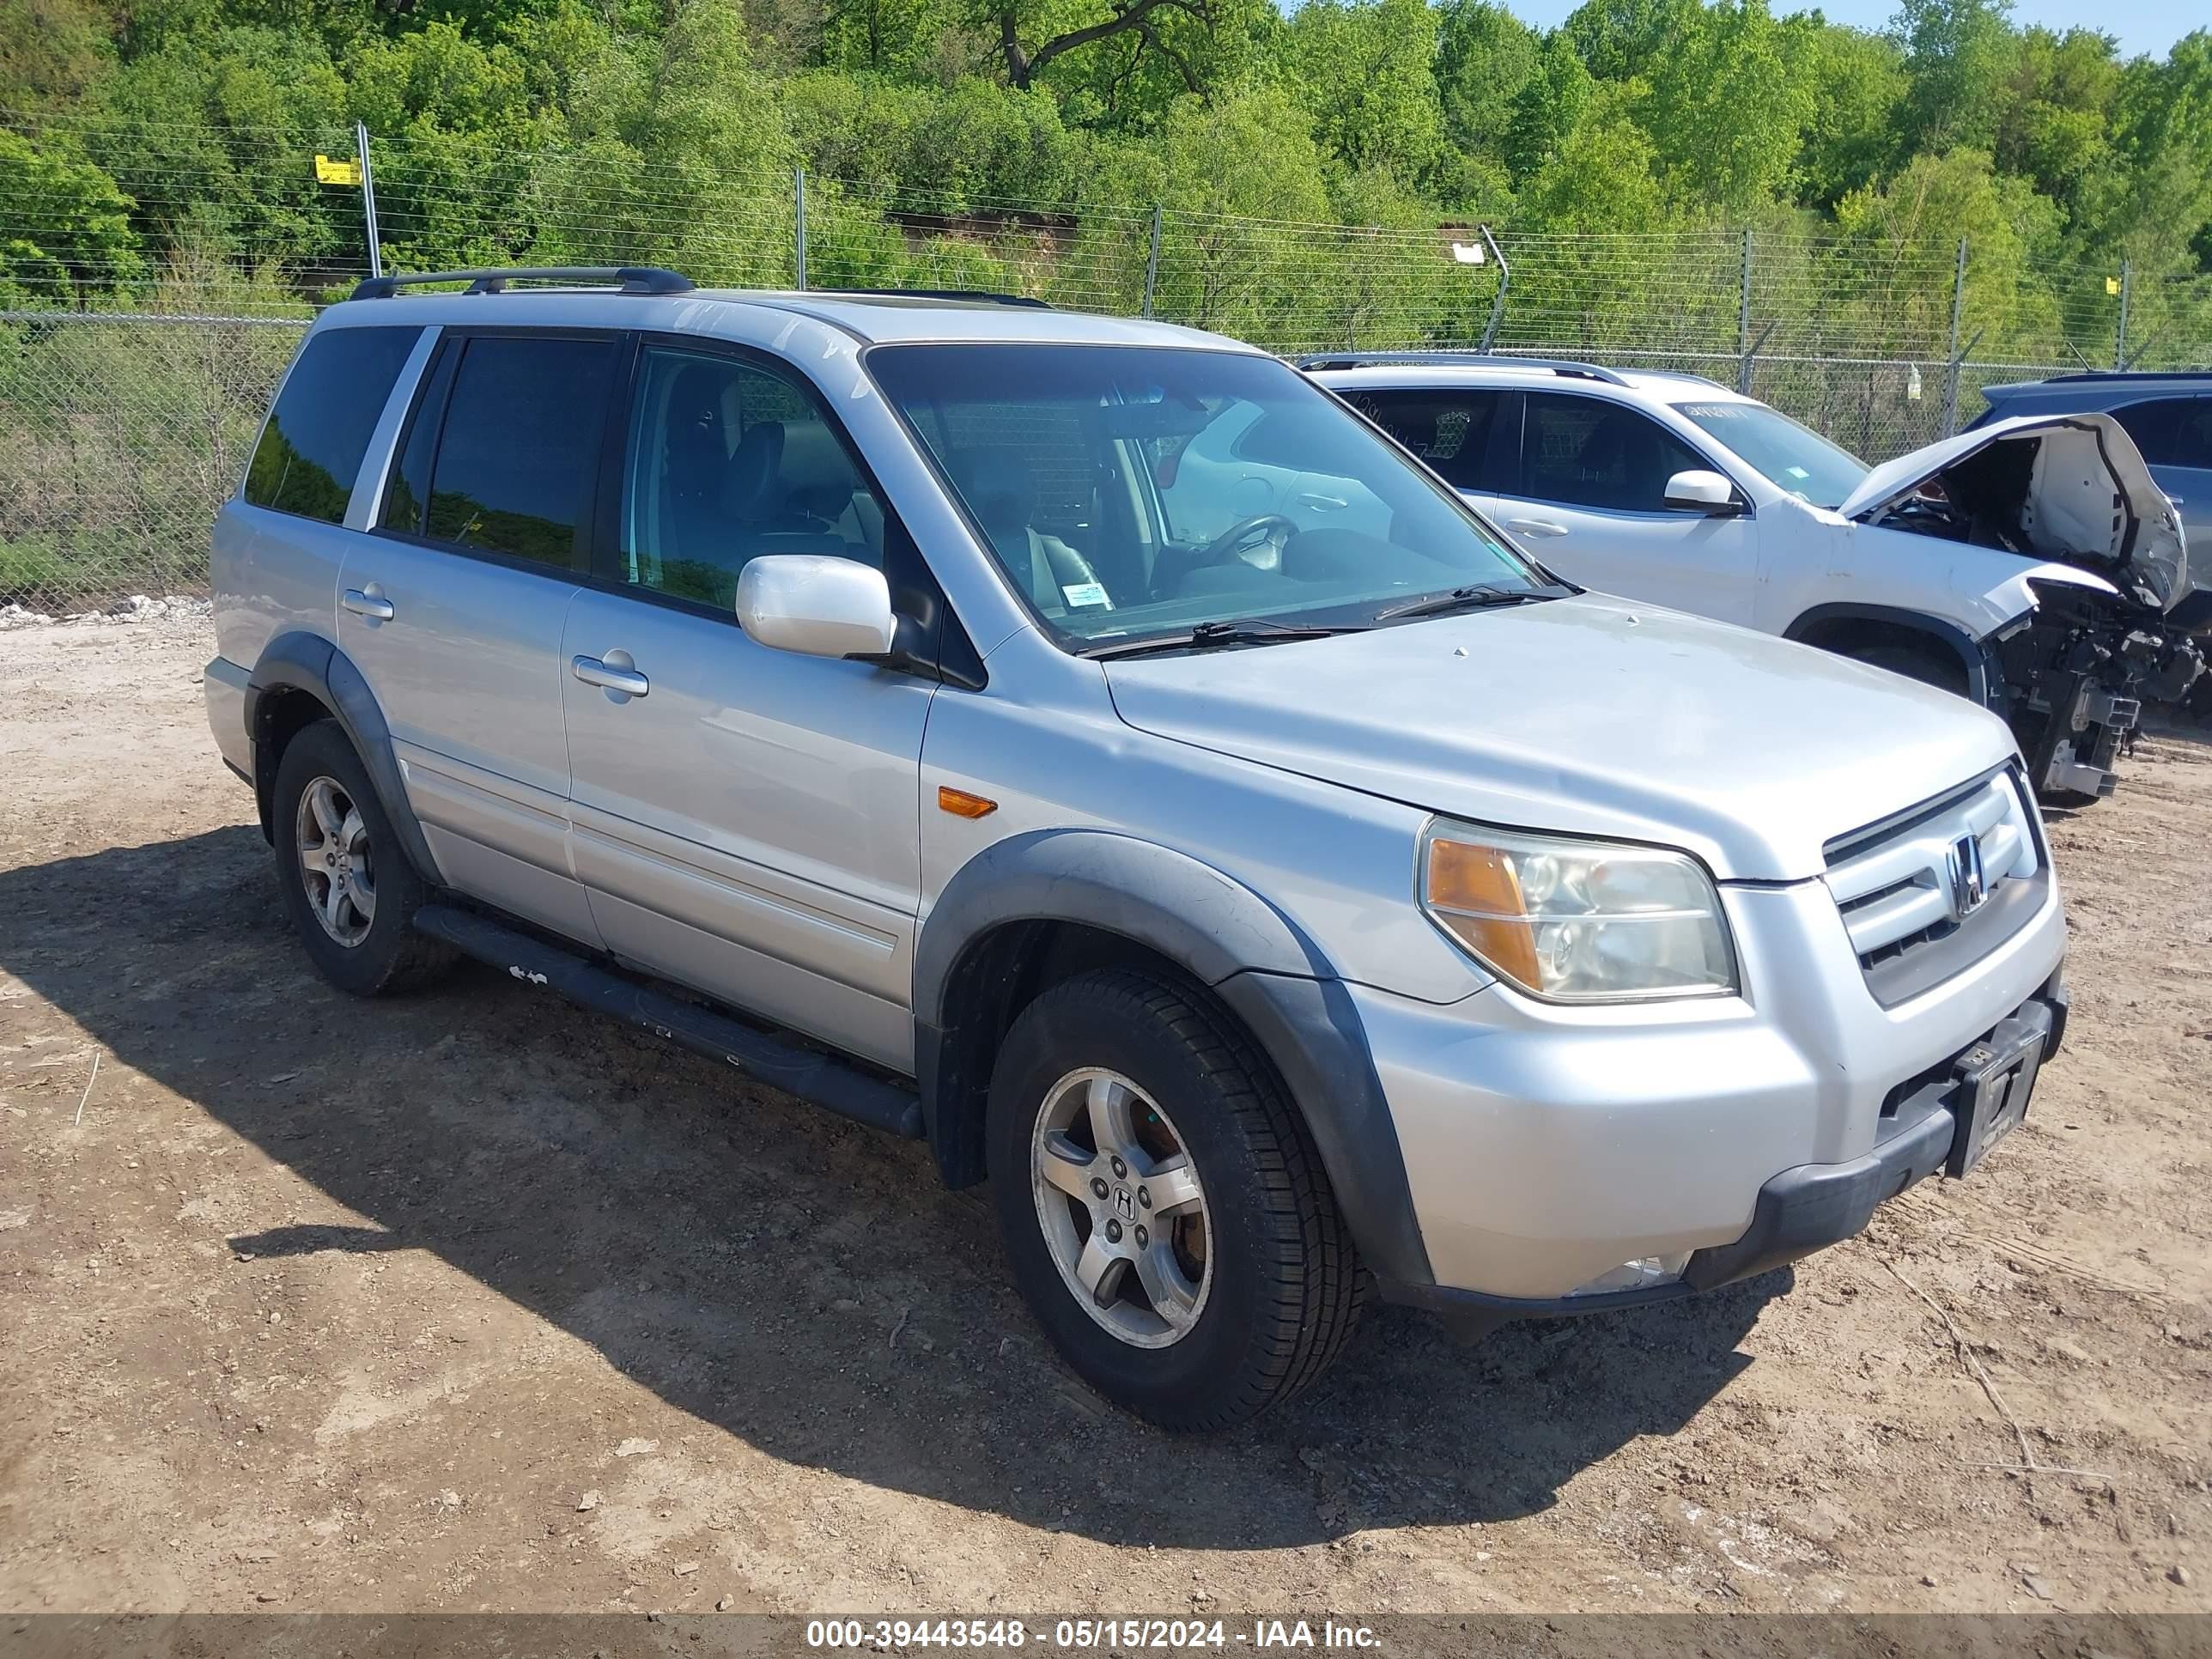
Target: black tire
x=390, y=955
x=1285, y=1287
x=1915, y=662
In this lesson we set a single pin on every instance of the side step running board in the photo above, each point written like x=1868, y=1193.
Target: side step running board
x=754, y=1054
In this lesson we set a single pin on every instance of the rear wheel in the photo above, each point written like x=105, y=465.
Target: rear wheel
x=350, y=888
x=1164, y=1213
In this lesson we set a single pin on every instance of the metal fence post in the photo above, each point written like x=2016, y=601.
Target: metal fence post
x=1952, y=357
x=2120, y=338
x=1497, y=300
x=367, y=198
x=1152, y=262
x=798, y=227
x=1743, y=322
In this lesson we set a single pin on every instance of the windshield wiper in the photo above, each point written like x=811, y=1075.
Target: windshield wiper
x=1236, y=630
x=1472, y=598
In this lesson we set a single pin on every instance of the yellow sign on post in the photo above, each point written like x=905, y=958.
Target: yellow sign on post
x=2111, y=285
x=343, y=170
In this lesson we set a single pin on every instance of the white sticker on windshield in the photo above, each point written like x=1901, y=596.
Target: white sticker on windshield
x=1086, y=594
x=1796, y=473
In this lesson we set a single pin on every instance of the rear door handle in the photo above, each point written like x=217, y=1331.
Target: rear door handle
x=614, y=677
x=375, y=606
x=1537, y=526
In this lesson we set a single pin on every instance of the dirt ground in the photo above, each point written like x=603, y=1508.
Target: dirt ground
x=472, y=1302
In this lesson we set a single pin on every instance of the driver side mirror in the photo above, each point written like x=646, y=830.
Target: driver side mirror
x=816, y=605
x=1701, y=491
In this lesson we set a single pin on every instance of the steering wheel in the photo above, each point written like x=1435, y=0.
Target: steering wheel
x=1244, y=538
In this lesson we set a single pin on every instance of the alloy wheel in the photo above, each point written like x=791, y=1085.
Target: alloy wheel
x=1123, y=1211
x=336, y=863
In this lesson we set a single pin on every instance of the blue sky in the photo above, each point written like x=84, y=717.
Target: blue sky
x=2148, y=25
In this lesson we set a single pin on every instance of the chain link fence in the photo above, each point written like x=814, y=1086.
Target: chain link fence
x=141, y=340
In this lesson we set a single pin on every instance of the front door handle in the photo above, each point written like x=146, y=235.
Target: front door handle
x=613, y=676
x=1537, y=526
x=375, y=606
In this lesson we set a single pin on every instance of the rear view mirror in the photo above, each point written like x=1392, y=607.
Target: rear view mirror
x=816, y=605
x=1701, y=491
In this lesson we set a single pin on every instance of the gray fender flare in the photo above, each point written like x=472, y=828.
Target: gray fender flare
x=1984, y=683
x=307, y=662
x=1251, y=957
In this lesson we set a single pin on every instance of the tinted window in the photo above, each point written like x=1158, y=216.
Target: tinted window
x=1584, y=452
x=1449, y=430
x=2171, y=431
x=321, y=427
x=728, y=461
x=519, y=447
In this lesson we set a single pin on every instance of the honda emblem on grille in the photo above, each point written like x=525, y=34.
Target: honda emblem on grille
x=1969, y=883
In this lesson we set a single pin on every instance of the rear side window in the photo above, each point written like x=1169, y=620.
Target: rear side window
x=319, y=429
x=515, y=457
x=1449, y=430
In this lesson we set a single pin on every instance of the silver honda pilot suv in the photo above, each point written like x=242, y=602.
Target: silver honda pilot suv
x=1278, y=906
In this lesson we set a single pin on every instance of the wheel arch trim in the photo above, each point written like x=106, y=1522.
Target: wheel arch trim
x=1257, y=962
x=303, y=661
x=1983, y=685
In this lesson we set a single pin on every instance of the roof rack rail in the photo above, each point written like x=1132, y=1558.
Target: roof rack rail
x=1560, y=366
x=983, y=296
x=630, y=279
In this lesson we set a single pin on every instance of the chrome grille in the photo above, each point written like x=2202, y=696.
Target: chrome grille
x=1898, y=885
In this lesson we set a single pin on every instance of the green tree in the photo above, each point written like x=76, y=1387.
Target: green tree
x=1959, y=57
x=1857, y=82
x=69, y=237
x=1364, y=72
x=1729, y=104
x=1549, y=105
x=1485, y=55
x=1623, y=39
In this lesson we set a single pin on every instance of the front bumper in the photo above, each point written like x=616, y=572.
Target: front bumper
x=1801, y=1210
x=1545, y=1147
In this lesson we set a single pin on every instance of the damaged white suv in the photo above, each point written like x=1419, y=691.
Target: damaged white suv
x=2062, y=602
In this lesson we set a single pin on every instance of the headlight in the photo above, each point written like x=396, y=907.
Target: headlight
x=1578, y=920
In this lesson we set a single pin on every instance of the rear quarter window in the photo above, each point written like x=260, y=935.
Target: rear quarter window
x=311, y=447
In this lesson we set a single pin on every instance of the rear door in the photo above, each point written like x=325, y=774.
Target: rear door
x=452, y=606
x=2175, y=436
x=746, y=820
x=1590, y=502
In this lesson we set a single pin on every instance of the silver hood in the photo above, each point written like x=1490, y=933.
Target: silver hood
x=1588, y=715
x=2090, y=497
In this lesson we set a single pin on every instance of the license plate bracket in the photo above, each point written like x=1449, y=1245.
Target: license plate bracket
x=1995, y=1077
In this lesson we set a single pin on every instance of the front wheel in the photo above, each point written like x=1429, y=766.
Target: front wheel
x=1161, y=1206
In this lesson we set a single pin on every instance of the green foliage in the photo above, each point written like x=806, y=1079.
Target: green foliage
x=1364, y=72
x=68, y=237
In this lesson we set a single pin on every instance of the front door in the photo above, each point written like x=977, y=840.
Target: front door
x=452, y=607
x=746, y=820
x=1590, y=503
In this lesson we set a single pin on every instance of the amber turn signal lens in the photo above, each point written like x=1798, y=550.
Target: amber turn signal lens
x=961, y=804
x=1474, y=892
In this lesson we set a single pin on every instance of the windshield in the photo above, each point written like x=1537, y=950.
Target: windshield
x=1131, y=490
x=1797, y=458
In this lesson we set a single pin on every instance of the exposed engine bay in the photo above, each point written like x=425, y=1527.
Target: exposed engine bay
x=2072, y=675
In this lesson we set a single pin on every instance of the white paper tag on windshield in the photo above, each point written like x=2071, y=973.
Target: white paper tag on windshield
x=1085, y=594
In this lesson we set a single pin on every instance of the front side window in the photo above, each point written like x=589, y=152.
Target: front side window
x=728, y=461
x=1449, y=430
x=1131, y=490
x=511, y=465
x=1587, y=452
x=1797, y=459
x=316, y=434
